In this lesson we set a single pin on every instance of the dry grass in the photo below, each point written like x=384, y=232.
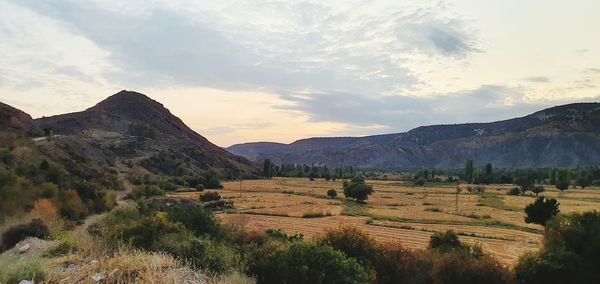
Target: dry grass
x=397, y=211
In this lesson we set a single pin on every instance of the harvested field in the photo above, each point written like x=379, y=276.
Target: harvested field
x=398, y=212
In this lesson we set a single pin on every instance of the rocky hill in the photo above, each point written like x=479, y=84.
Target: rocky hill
x=141, y=132
x=562, y=136
x=12, y=119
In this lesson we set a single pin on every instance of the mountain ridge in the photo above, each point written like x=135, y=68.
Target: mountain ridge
x=130, y=126
x=448, y=145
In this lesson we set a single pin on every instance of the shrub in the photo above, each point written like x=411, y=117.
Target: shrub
x=14, y=273
x=514, y=191
x=201, y=253
x=540, y=211
x=353, y=242
x=332, y=193
x=459, y=268
x=147, y=190
x=71, y=205
x=196, y=219
x=282, y=236
x=569, y=255
x=313, y=263
x=45, y=210
x=210, y=196
x=420, y=181
x=13, y=235
x=448, y=242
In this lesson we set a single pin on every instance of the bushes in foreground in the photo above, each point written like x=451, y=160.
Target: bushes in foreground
x=36, y=228
x=570, y=252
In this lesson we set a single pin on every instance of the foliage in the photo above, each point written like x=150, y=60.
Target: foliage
x=210, y=196
x=538, y=189
x=541, y=210
x=13, y=235
x=303, y=262
x=569, y=255
x=357, y=189
x=332, y=193
x=196, y=219
x=14, y=273
x=514, y=191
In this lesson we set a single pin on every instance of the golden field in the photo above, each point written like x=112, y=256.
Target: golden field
x=397, y=211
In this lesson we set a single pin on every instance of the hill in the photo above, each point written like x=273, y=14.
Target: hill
x=133, y=128
x=12, y=119
x=562, y=136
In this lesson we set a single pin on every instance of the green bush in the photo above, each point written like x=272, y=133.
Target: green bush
x=332, y=193
x=210, y=196
x=302, y=262
x=570, y=252
x=14, y=273
x=36, y=228
x=201, y=253
x=196, y=219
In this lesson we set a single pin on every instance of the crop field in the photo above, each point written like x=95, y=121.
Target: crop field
x=397, y=211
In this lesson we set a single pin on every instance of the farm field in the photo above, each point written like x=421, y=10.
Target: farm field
x=397, y=211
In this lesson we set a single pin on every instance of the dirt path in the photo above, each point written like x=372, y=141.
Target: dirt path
x=121, y=197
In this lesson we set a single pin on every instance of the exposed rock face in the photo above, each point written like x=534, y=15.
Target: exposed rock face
x=130, y=126
x=563, y=136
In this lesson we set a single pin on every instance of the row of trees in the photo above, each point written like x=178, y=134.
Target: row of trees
x=270, y=170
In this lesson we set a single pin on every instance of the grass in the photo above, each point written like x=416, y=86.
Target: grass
x=33, y=270
x=315, y=214
x=495, y=201
x=353, y=208
x=432, y=209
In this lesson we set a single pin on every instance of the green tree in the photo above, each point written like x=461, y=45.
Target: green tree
x=332, y=193
x=357, y=189
x=488, y=170
x=570, y=252
x=469, y=171
x=267, y=168
x=542, y=210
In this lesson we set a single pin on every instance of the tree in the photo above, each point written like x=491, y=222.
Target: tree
x=488, y=170
x=525, y=182
x=538, y=189
x=570, y=252
x=469, y=171
x=542, y=210
x=562, y=180
x=583, y=180
x=332, y=193
x=268, y=168
x=357, y=189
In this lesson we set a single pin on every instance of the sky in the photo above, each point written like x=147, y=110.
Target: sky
x=244, y=71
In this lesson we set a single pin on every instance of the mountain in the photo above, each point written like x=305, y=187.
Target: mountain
x=12, y=119
x=562, y=136
x=133, y=128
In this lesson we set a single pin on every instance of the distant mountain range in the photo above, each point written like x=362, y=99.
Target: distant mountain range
x=132, y=128
x=562, y=136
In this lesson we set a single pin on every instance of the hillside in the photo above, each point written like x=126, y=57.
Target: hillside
x=133, y=128
x=562, y=136
x=12, y=119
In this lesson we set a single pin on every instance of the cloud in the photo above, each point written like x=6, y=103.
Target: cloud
x=280, y=46
x=537, y=79
x=400, y=113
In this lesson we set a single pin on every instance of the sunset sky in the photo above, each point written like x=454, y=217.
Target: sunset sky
x=242, y=71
